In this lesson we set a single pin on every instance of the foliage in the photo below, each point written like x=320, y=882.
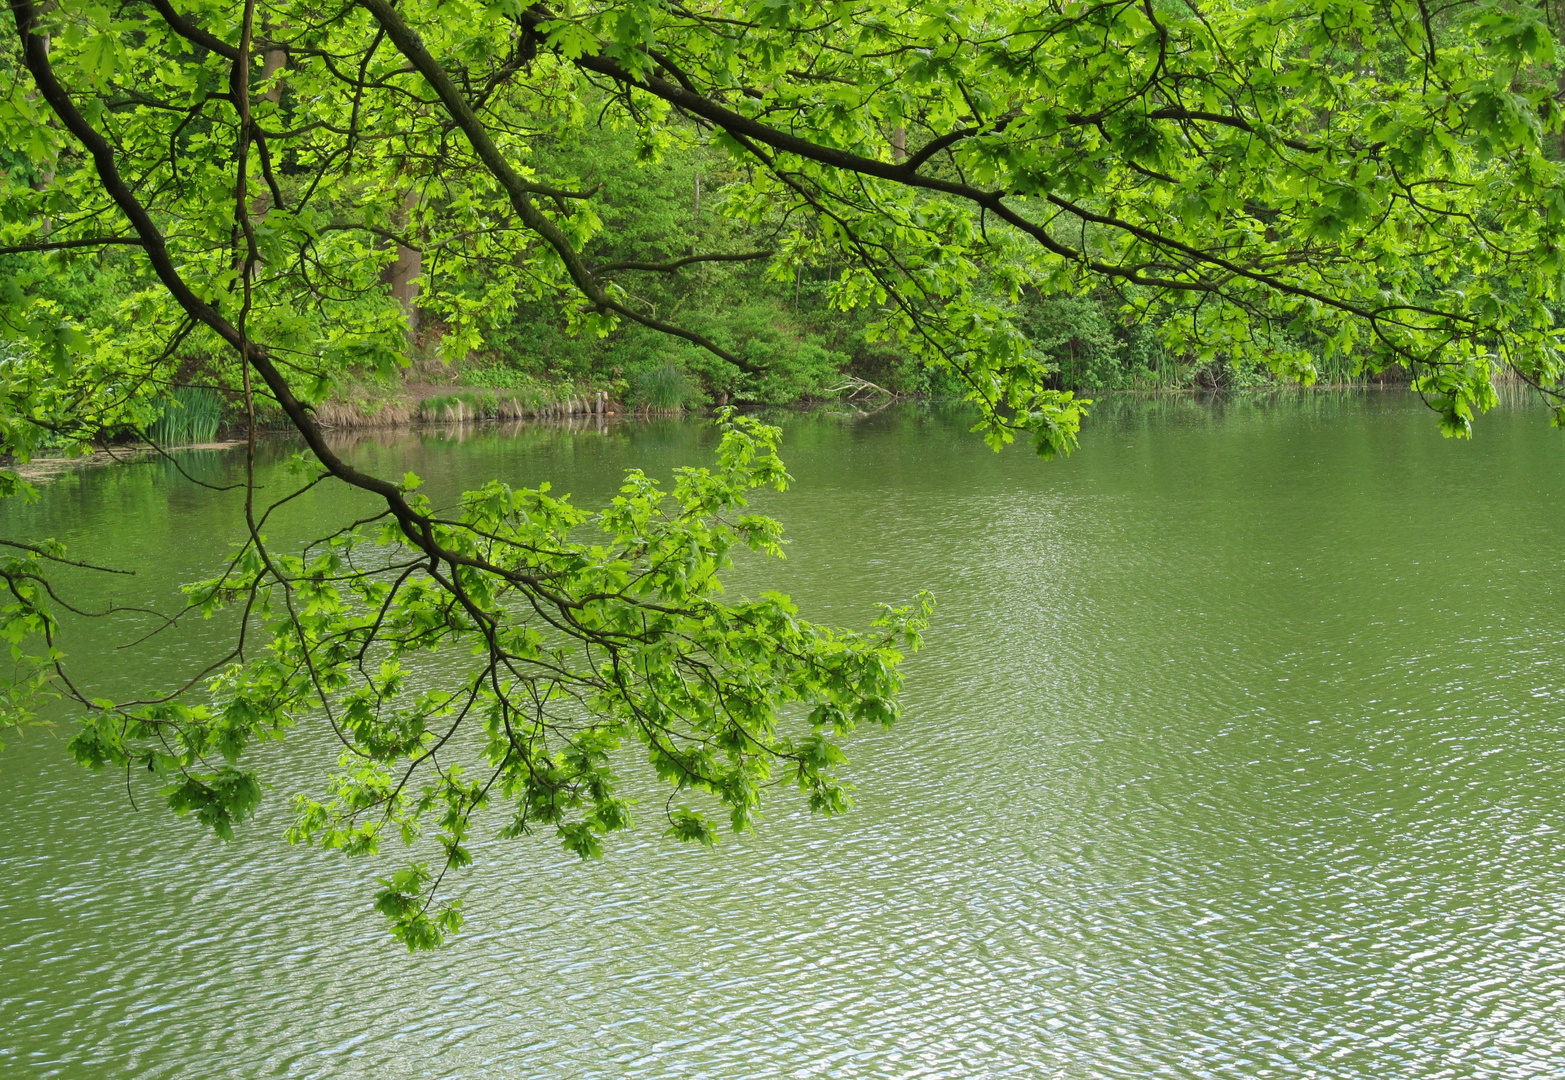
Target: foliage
x=1076, y=337
x=26, y=620
x=724, y=697
x=1235, y=184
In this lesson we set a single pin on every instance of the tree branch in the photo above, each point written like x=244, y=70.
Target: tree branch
x=670, y=267
x=747, y=128
x=62, y=245
x=520, y=191
x=193, y=33
x=44, y=554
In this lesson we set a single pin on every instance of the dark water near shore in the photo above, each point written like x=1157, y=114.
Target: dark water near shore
x=1238, y=750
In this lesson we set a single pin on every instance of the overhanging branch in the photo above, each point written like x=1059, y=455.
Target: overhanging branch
x=670, y=267
x=518, y=190
x=65, y=245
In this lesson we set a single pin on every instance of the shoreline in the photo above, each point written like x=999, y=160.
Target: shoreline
x=347, y=426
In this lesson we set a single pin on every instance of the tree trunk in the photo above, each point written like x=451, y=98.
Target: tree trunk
x=271, y=63
x=43, y=176
x=403, y=273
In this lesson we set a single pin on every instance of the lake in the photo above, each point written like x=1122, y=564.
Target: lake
x=1237, y=749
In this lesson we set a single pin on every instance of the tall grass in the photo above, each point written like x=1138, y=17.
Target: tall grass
x=190, y=415
x=662, y=389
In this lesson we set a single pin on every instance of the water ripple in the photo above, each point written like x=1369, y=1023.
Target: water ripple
x=1237, y=753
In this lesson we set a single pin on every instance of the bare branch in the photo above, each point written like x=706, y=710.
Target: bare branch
x=62, y=245
x=670, y=267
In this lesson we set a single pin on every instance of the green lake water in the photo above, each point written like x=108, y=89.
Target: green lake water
x=1237, y=750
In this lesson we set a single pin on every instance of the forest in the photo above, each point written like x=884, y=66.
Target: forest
x=660, y=204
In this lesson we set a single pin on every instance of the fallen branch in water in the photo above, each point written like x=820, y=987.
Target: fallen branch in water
x=859, y=387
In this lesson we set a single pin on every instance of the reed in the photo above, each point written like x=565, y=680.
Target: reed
x=464, y=406
x=661, y=389
x=191, y=414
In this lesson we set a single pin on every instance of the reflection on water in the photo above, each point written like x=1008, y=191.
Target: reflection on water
x=1237, y=751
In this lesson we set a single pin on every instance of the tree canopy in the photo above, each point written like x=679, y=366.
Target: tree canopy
x=1379, y=175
